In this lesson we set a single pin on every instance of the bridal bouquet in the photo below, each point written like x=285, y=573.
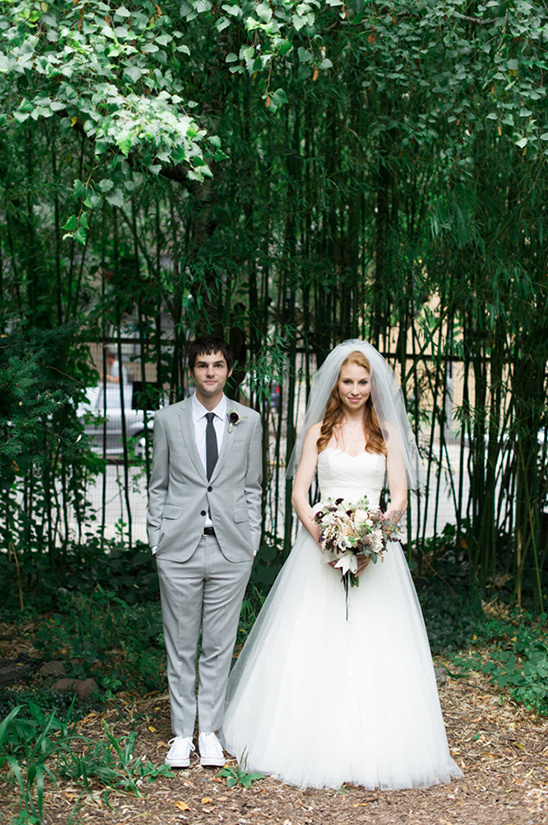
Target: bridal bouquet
x=350, y=530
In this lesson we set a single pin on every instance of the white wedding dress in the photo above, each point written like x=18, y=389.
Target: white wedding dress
x=316, y=699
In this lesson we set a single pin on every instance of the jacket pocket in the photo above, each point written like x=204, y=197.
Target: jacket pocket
x=241, y=514
x=172, y=511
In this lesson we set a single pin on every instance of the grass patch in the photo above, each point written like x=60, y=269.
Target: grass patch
x=36, y=747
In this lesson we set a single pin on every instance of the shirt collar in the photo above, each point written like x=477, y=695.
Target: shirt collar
x=199, y=411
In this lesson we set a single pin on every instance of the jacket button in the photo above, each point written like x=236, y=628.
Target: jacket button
x=210, y=489
x=203, y=513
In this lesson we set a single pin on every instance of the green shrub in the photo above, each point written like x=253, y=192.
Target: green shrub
x=100, y=635
x=511, y=648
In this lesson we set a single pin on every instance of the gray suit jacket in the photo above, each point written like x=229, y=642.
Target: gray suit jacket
x=180, y=494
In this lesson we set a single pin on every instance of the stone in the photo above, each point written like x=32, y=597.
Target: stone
x=52, y=669
x=12, y=670
x=441, y=675
x=82, y=687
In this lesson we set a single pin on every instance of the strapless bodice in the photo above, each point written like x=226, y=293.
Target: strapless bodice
x=341, y=475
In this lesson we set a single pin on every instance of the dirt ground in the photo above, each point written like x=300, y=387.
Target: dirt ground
x=502, y=750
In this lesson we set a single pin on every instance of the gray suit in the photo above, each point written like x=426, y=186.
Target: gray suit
x=203, y=578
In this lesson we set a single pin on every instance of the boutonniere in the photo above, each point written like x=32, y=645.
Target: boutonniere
x=233, y=419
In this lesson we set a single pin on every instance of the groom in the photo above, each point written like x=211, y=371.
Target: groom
x=204, y=526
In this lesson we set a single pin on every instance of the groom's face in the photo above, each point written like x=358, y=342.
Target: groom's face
x=210, y=375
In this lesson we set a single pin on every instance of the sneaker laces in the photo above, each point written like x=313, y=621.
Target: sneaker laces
x=182, y=738
x=210, y=741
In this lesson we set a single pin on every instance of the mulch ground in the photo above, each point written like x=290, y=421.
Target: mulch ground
x=501, y=749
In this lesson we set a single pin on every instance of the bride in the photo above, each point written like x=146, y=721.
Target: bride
x=317, y=697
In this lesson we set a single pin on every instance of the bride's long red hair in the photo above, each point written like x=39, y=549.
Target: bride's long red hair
x=332, y=420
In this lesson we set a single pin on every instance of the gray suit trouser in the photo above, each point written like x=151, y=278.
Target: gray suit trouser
x=205, y=591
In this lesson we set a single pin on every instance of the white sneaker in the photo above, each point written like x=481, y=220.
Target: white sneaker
x=211, y=752
x=179, y=754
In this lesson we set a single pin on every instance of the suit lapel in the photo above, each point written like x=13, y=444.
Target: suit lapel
x=187, y=430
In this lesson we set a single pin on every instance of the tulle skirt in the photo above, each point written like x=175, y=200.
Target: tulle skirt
x=317, y=699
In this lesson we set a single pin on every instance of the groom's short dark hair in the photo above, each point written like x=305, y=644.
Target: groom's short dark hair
x=207, y=345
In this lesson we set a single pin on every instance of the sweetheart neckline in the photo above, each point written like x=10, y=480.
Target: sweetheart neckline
x=343, y=452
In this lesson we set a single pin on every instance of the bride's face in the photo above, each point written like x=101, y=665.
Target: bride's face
x=353, y=386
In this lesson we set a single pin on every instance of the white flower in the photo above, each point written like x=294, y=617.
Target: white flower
x=348, y=563
x=361, y=516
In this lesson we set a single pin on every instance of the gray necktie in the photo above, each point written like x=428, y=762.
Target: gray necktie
x=211, y=445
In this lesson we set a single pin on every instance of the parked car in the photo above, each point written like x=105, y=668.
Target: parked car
x=94, y=411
